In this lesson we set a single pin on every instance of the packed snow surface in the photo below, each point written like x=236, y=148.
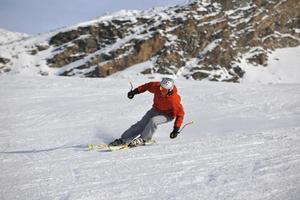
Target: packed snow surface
x=244, y=143
x=283, y=67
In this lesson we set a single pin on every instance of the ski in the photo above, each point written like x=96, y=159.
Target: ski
x=125, y=146
x=117, y=148
x=105, y=146
x=92, y=147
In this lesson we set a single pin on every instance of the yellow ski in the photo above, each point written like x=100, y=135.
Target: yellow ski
x=103, y=146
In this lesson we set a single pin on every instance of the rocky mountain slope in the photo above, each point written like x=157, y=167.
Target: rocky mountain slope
x=205, y=39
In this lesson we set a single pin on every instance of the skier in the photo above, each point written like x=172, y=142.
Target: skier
x=166, y=107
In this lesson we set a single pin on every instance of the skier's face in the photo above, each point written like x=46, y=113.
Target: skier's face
x=163, y=91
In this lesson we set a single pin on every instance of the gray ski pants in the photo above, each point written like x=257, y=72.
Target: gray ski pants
x=146, y=126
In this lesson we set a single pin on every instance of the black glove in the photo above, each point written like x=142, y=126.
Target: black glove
x=131, y=93
x=174, y=133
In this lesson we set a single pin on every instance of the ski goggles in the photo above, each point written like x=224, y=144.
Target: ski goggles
x=163, y=90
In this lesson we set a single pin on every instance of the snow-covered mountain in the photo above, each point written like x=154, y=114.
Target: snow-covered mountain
x=203, y=40
x=8, y=36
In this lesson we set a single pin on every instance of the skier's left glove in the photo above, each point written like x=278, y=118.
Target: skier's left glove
x=174, y=133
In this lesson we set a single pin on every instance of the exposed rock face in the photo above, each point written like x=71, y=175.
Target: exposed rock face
x=200, y=40
x=143, y=50
x=3, y=62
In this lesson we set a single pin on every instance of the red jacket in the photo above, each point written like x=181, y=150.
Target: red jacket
x=170, y=104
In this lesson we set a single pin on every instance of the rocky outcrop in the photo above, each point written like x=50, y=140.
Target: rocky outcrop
x=142, y=51
x=3, y=62
x=214, y=35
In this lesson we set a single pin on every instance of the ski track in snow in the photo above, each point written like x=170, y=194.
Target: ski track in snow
x=244, y=143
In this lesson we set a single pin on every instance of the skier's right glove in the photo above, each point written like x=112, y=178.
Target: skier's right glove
x=174, y=133
x=131, y=93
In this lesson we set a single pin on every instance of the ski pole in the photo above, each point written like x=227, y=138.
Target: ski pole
x=131, y=85
x=189, y=123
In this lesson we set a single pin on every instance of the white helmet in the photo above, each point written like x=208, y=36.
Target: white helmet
x=167, y=83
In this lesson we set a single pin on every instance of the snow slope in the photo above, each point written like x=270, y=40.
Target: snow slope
x=8, y=36
x=244, y=143
x=283, y=67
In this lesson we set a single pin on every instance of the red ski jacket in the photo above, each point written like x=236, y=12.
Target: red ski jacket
x=169, y=104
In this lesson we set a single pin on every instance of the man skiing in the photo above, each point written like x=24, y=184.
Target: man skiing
x=166, y=107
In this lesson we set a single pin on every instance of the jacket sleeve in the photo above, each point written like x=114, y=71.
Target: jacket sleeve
x=177, y=112
x=147, y=87
x=179, y=115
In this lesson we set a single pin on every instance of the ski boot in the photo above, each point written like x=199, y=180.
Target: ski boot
x=136, y=142
x=117, y=142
